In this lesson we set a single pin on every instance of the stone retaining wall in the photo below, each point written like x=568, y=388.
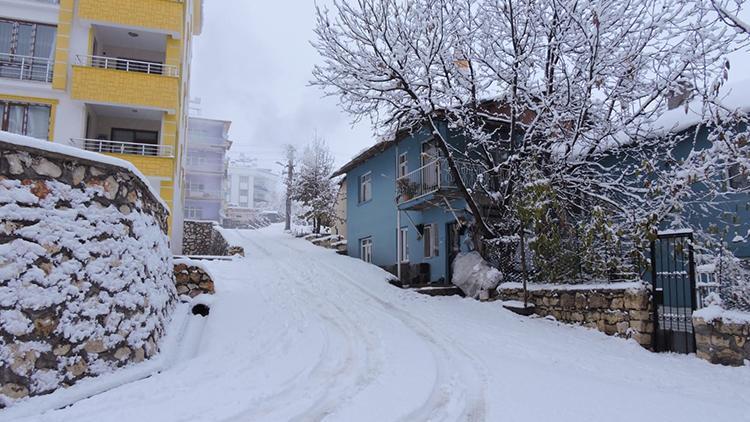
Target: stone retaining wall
x=204, y=238
x=722, y=340
x=191, y=279
x=624, y=312
x=86, y=284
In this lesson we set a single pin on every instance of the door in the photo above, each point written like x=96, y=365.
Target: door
x=673, y=276
x=430, y=167
x=453, y=246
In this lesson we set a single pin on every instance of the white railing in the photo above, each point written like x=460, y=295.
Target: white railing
x=113, y=147
x=201, y=194
x=706, y=283
x=26, y=68
x=420, y=182
x=115, y=63
x=433, y=177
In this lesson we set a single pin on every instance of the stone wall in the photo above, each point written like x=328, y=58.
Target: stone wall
x=623, y=311
x=721, y=339
x=192, y=279
x=86, y=281
x=204, y=238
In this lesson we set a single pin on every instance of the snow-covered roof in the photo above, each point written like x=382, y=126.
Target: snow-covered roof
x=734, y=96
x=70, y=151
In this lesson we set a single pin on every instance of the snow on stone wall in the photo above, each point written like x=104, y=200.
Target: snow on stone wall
x=205, y=238
x=722, y=336
x=623, y=309
x=86, y=276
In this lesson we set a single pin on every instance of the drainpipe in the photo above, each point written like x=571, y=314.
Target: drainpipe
x=398, y=223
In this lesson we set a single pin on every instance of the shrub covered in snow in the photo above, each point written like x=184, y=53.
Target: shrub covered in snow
x=86, y=282
x=473, y=275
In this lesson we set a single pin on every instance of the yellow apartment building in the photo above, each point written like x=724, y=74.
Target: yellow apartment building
x=110, y=76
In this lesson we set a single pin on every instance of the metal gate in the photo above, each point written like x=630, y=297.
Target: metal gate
x=673, y=281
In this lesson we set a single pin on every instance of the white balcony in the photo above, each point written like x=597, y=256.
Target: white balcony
x=433, y=177
x=26, y=68
x=127, y=148
x=203, y=195
x=115, y=63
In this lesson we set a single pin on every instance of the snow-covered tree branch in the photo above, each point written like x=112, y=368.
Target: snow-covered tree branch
x=568, y=105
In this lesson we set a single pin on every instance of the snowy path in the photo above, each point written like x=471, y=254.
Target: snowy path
x=297, y=333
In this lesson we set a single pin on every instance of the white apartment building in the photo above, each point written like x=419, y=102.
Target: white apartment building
x=251, y=187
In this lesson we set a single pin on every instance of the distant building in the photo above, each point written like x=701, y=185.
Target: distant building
x=251, y=187
x=206, y=168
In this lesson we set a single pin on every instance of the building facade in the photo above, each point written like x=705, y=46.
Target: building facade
x=251, y=187
x=206, y=169
x=108, y=76
x=402, y=207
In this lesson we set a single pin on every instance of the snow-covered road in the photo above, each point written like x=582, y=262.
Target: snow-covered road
x=298, y=333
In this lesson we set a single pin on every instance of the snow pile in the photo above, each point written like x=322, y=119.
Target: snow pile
x=627, y=285
x=717, y=313
x=473, y=275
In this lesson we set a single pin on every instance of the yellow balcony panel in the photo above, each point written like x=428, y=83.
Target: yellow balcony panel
x=149, y=166
x=162, y=15
x=134, y=88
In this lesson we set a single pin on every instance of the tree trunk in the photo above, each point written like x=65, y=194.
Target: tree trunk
x=484, y=229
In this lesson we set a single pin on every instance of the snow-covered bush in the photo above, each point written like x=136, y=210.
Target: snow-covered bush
x=473, y=275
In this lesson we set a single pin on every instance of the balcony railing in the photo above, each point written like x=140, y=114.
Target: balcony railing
x=26, y=68
x=126, y=65
x=432, y=177
x=201, y=194
x=113, y=147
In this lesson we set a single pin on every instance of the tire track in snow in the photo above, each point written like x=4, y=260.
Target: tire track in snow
x=452, y=392
x=440, y=399
x=333, y=375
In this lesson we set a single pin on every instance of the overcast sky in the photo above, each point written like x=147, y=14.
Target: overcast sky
x=252, y=65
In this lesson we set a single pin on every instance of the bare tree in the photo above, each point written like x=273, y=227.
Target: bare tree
x=565, y=103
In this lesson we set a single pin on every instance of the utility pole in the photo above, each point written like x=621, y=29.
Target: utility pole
x=290, y=152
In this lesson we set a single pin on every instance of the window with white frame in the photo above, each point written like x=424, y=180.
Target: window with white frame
x=403, y=165
x=431, y=240
x=365, y=249
x=193, y=213
x=365, y=187
x=403, y=244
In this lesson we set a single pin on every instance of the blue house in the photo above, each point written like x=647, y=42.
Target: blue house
x=403, y=207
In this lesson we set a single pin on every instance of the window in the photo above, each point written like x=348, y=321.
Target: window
x=193, y=213
x=403, y=165
x=135, y=136
x=431, y=240
x=738, y=177
x=25, y=119
x=365, y=249
x=365, y=187
x=403, y=244
x=26, y=50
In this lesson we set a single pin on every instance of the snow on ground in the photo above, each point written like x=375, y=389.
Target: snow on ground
x=297, y=332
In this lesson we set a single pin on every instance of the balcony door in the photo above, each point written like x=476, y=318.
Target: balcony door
x=147, y=141
x=26, y=50
x=430, y=166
